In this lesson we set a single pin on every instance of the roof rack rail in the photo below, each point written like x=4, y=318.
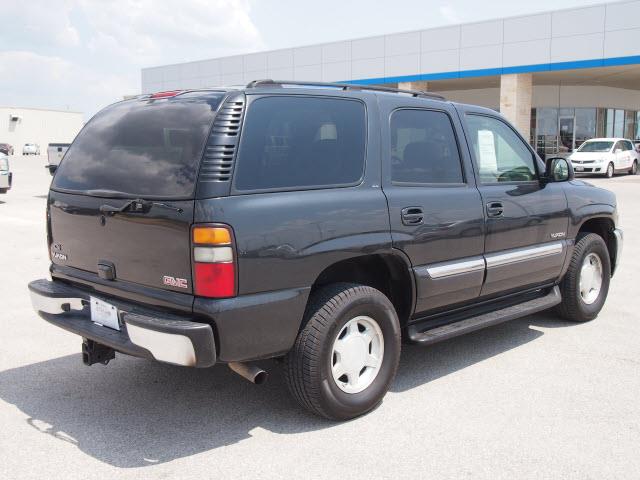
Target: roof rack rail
x=342, y=86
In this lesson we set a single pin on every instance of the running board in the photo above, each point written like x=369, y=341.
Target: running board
x=496, y=317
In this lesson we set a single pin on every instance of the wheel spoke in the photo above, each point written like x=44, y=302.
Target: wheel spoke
x=339, y=347
x=338, y=370
x=371, y=361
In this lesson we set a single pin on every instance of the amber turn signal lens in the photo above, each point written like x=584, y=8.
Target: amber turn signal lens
x=211, y=236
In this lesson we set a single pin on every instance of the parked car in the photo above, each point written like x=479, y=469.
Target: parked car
x=55, y=152
x=6, y=148
x=319, y=224
x=606, y=156
x=31, y=149
x=6, y=176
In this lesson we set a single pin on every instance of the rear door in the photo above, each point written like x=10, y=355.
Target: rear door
x=121, y=203
x=526, y=221
x=434, y=206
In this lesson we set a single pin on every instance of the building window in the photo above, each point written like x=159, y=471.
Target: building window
x=585, y=125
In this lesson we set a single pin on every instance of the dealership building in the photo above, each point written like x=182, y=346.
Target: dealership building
x=20, y=125
x=561, y=77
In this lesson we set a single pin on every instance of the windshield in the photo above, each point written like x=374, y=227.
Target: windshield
x=597, y=146
x=141, y=148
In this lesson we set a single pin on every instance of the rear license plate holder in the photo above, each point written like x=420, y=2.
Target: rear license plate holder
x=104, y=314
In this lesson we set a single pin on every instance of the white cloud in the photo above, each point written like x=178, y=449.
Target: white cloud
x=449, y=14
x=85, y=54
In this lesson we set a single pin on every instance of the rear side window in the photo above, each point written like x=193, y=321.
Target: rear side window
x=424, y=148
x=291, y=142
x=145, y=148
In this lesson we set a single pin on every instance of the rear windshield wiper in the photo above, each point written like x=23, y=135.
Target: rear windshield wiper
x=137, y=206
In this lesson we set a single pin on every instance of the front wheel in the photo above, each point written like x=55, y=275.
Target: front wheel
x=634, y=168
x=347, y=353
x=586, y=284
x=610, y=171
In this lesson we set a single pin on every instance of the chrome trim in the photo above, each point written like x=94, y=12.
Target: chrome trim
x=54, y=305
x=447, y=269
x=619, y=234
x=165, y=347
x=523, y=254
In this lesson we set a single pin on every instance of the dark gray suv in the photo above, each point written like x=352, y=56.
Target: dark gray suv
x=320, y=224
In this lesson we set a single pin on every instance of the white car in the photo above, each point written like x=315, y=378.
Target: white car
x=5, y=174
x=31, y=149
x=605, y=156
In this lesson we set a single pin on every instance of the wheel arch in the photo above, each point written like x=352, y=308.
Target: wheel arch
x=388, y=272
x=603, y=227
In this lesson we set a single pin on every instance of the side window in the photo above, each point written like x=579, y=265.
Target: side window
x=619, y=146
x=500, y=154
x=424, y=148
x=629, y=145
x=291, y=141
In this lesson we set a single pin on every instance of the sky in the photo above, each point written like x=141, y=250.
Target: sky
x=82, y=55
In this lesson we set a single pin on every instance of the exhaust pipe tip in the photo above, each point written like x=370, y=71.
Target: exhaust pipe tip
x=250, y=372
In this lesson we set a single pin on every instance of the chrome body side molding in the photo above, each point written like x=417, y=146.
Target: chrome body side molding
x=523, y=254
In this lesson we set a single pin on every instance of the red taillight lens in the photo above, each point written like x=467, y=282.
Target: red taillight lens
x=214, y=268
x=215, y=280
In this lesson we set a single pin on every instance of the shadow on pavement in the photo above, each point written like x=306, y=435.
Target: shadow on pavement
x=135, y=412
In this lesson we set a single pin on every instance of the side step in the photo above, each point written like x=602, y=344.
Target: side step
x=467, y=325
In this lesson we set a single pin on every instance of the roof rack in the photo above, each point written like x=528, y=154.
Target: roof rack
x=342, y=86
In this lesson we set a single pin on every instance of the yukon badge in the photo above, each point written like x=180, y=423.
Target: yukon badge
x=175, y=282
x=57, y=252
x=558, y=235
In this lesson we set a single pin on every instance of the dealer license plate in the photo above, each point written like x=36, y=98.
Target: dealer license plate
x=579, y=169
x=104, y=314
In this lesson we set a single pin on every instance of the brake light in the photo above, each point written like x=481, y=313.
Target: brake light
x=214, y=268
x=171, y=93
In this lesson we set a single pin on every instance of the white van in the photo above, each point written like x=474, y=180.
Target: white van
x=5, y=174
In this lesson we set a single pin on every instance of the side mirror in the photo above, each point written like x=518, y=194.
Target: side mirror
x=558, y=169
x=618, y=150
x=52, y=168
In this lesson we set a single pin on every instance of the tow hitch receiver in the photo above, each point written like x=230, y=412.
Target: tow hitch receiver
x=94, y=352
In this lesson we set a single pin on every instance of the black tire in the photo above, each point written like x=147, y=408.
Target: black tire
x=634, y=168
x=308, y=364
x=611, y=170
x=573, y=307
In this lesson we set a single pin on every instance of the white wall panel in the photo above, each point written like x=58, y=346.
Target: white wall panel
x=478, y=34
x=481, y=57
x=336, y=52
x=578, y=21
x=307, y=55
x=254, y=62
x=531, y=27
x=441, y=61
x=335, y=72
x=526, y=53
x=307, y=72
x=227, y=79
x=230, y=65
x=579, y=47
x=280, y=59
x=402, y=44
x=622, y=43
x=440, y=38
x=372, y=47
x=210, y=68
x=402, y=65
x=368, y=68
x=622, y=15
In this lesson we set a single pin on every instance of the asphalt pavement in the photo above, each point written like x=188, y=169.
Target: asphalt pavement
x=534, y=398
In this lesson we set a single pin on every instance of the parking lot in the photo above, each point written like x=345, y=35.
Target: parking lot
x=533, y=398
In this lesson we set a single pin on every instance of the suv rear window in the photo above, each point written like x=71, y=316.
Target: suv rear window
x=291, y=142
x=141, y=148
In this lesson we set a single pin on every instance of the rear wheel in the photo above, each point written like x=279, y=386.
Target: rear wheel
x=586, y=284
x=610, y=171
x=634, y=168
x=347, y=353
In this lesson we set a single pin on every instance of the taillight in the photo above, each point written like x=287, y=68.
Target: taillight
x=214, y=268
x=169, y=94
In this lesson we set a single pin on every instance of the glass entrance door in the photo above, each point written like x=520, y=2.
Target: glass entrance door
x=566, y=129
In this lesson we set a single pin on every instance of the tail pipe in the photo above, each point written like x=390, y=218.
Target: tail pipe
x=250, y=372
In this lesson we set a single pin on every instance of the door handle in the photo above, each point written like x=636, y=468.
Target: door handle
x=495, y=209
x=412, y=216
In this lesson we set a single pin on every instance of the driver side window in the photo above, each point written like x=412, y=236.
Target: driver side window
x=500, y=154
